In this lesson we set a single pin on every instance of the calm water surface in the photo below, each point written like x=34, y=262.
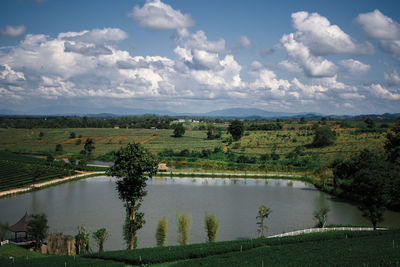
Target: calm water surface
x=94, y=202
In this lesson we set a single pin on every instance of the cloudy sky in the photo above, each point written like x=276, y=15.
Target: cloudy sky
x=332, y=57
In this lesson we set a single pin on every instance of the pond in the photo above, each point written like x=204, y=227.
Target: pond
x=94, y=202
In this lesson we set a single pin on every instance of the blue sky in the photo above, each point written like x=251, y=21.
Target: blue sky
x=332, y=57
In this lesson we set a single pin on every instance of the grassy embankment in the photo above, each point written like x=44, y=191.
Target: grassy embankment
x=335, y=248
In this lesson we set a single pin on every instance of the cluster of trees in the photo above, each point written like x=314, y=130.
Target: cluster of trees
x=372, y=179
x=29, y=122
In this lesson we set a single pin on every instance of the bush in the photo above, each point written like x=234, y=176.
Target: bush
x=184, y=225
x=323, y=137
x=179, y=130
x=211, y=227
x=162, y=232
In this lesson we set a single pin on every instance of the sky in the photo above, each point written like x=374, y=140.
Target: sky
x=187, y=56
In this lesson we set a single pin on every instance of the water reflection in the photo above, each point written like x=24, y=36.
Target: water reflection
x=94, y=202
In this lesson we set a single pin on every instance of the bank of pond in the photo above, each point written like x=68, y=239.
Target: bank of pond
x=94, y=202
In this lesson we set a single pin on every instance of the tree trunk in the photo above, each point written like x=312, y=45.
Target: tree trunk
x=374, y=224
x=132, y=218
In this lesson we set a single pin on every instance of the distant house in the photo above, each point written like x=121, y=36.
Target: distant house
x=162, y=167
x=116, y=127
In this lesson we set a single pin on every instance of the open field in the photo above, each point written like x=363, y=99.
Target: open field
x=255, y=143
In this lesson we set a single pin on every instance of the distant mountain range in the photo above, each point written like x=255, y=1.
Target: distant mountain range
x=223, y=113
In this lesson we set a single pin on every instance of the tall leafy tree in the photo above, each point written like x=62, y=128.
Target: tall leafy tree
x=89, y=146
x=263, y=213
x=179, y=130
x=37, y=228
x=236, y=129
x=162, y=232
x=133, y=166
x=392, y=145
x=211, y=226
x=100, y=236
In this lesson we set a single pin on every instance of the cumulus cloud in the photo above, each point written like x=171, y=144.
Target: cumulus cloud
x=313, y=66
x=321, y=37
x=243, y=42
x=199, y=40
x=159, y=16
x=382, y=28
x=378, y=26
x=382, y=92
x=355, y=66
x=266, y=52
x=13, y=31
x=392, y=78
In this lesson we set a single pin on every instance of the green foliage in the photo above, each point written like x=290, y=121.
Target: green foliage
x=211, y=227
x=263, y=213
x=323, y=137
x=72, y=135
x=162, y=232
x=236, y=129
x=183, y=224
x=82, y=241
x=59, y=148
x=213, y=132
x=321, y=216
x=133, y=166
x=179, y=130
x=4, y=229
x=89, y=146
x=370, y=180
x=37, y=228
x=100, y=236
x=344, y=241
x=392, y=145
x=370, y=123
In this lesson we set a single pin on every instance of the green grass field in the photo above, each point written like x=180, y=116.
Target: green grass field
x=254, y=144
x=335, y=248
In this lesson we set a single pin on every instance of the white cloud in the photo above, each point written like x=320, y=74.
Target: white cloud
x=243, y=42
x=313, y=66
x=9, y=76
x=392, y=78
x=382, y=92
x=378, y=26
x=13, y=31
x=355, y=66
x=352, y=96
x=382, y=28
x=199, y=41
x=290, y=66
x=317, y=33
x=160, y=16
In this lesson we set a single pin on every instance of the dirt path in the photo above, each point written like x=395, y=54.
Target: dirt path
x=38, y=185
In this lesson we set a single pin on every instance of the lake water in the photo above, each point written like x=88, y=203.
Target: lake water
x=94, y=202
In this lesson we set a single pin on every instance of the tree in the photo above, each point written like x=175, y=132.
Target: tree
x=162, y=232
x=82, y=241
x=59, y=148
x=100, y=236
x=4, y=228
x=392, y=145
x=236, y=129
x=37, y=228
x=179, y=130
x=211, y=226
x=370, y=122
x=213, y=132
x=132, y=167
x=371, y=181
x=184, y=225
x=323, y=136
x=72, y=135
x=321, y=216
x=263, y=213
x=89, y=146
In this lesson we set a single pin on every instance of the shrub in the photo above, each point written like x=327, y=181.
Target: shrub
x=184, y=225
x=211, y=226
x=162, y=232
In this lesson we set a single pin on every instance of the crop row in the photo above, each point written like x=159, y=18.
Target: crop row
x=372, y=250
x=174, y=253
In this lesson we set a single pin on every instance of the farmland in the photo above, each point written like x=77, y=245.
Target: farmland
x=252, y=144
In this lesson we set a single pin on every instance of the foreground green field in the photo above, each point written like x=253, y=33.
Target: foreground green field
x=334, y=248
x=254, y=143
x=319, y=249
